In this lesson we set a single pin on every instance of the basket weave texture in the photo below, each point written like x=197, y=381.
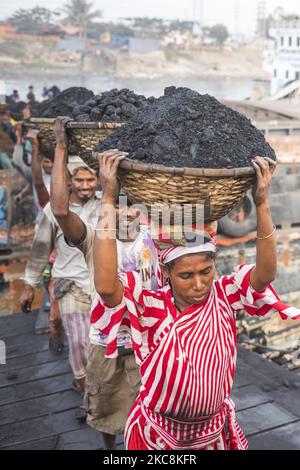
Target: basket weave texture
x=218, y=190
x=83, y=136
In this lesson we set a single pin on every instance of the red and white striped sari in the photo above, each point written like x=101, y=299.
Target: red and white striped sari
x=187, y=360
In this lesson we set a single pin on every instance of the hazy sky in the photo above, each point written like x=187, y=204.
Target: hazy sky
x=238, y=15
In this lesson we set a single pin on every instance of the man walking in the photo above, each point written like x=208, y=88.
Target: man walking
x=72, y=285
x=112, y=384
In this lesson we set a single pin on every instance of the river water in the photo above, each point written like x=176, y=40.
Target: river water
x=226, y=88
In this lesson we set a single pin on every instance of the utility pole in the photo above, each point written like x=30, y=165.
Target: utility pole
x=237, y=20
x=198, y=13
x=201, y=12
x=261, y=19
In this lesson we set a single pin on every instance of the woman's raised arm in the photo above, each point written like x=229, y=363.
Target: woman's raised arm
x=266, y=257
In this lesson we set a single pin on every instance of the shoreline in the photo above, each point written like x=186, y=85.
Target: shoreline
x=14, y=70
x=21, y=72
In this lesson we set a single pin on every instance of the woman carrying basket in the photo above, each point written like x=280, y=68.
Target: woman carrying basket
x=184, y=335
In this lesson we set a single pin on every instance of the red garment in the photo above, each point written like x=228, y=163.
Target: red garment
x=144, y=433
x=187, y=360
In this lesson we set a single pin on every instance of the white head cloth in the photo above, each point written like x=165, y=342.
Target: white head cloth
x=169, y=254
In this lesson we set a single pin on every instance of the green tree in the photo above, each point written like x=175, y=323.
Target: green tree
x=79, y=13
x=219, y=32
x=182, y=26
x=32, y=20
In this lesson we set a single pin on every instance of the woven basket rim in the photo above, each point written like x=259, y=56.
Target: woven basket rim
x=77, y=124
x=134, y=165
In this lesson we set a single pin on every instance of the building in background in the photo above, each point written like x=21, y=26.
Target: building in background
x=282, y=58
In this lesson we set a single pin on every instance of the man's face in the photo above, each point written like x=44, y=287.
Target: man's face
x=47, y=165
x=126, y=215
x=84, y=184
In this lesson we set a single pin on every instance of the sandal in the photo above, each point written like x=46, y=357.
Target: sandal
x=81, y=413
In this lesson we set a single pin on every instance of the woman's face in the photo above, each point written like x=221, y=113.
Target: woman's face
x=191, y=278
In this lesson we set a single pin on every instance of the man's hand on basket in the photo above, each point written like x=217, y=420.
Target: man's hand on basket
x=60, y=131
x=19, y=132
x=32, y=136
x=26, y=112
x=109, y=162
x=264, y=168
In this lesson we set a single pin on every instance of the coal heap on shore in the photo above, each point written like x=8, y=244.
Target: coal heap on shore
x=83, y=106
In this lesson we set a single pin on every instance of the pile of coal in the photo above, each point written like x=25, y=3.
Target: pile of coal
x=63, y=104
x=185, y=129
x=83, y=106
x=111, y=106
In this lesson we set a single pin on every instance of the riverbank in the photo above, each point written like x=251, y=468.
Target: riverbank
x=244, y=62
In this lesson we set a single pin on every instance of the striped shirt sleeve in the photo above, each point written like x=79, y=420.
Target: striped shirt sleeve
x=241, y=295
x=133, y=314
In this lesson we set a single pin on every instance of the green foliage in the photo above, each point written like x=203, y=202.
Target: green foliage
x=79, y=13
x=218, y=32
x=34, y=19
x=161, y=26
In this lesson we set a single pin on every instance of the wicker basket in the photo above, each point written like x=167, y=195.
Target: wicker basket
x=218, y=190
x=83, y=136
x=46, y=134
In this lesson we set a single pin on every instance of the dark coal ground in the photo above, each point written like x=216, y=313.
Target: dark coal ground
x=186, y=129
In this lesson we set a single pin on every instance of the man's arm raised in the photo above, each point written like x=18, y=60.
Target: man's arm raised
x=36, y=167
x=105, y=256
x=72, y=226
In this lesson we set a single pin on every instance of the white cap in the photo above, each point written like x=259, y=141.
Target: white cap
x=75, y=162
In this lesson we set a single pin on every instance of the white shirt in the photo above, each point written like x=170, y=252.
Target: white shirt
x=139, y=255
x=70, y=262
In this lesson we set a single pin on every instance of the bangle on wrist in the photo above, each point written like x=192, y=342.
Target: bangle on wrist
x=267, y=236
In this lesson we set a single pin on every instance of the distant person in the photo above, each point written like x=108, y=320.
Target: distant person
x=35, y=167
x=7, y=141
x=9, y=126
x=47, y=93
x=55, y=90
x=30, y=95
x=15, y=96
